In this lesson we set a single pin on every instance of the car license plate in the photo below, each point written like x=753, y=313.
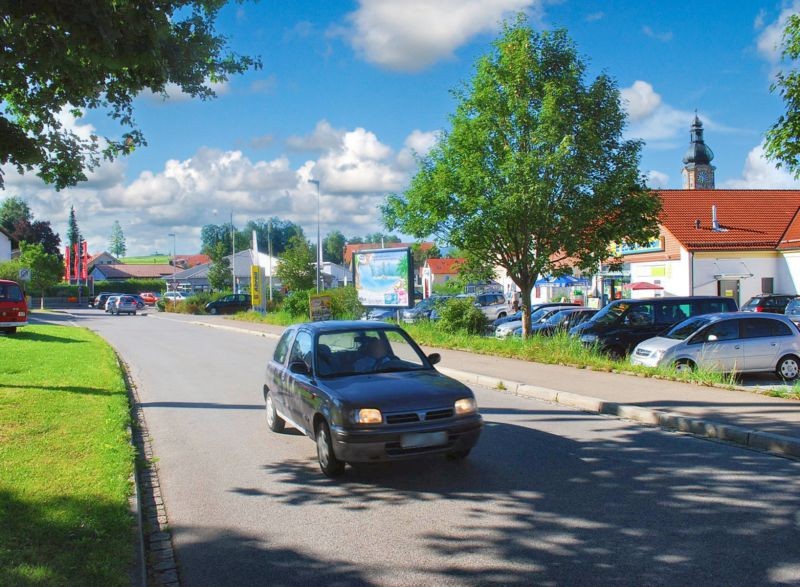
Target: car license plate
x=423, y=439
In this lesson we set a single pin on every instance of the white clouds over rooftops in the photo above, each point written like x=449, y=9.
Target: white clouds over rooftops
x=760, y=173
x=413, y=34
x=356, y=171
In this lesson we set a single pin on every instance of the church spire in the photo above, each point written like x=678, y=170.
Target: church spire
x=698, y=173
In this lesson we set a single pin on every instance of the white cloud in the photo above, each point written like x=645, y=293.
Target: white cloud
x=322, y=138
x=659, y=36
x=174, y=93
x=651, y=119
x=760, y=173
x=417, y=144
x=413, y=34
x=769, y=40
x=356, y=171
x=657, y=180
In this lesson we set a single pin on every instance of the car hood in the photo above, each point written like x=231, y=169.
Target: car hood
x=393, y=392
x=511, y=325
x=659, y=343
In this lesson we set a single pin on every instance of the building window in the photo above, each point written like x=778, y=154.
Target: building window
x=767, y=285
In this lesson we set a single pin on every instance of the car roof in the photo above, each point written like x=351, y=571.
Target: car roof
x=331, y=325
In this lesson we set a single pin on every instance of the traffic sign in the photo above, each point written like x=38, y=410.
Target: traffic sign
x=25, y=274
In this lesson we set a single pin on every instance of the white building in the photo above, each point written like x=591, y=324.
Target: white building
x=5, y=245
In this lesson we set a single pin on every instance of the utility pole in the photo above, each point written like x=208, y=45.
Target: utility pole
x=233, y=255
x=269, y=253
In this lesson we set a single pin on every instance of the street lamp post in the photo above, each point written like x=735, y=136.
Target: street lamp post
x=233, y=255
x=172, y=234
x=319, y=242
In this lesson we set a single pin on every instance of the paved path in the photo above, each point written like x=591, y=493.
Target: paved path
x=736, y=415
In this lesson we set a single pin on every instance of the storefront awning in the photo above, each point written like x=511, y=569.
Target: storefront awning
x=731, y=270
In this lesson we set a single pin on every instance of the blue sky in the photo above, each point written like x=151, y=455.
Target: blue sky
x=349, y=90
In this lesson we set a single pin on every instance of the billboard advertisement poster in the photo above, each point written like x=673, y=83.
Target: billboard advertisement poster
x=320, y=307
x=384, y=277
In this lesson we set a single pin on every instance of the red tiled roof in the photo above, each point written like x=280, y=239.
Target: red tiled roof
x=193, y=260
x=748, y=219
x=791, y=238
x=350, y=249
x=444, y=266
x=127, y=271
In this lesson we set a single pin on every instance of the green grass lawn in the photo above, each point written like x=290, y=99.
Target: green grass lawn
x=65, y=460
x=147, y=259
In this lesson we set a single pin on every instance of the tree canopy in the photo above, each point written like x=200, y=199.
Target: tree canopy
x=783, y=139
x=296, y=269
x=116, y=242
x=16, y=217
x=77, y=55
x=534, y=175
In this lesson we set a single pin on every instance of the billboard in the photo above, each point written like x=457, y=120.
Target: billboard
x=384, y=277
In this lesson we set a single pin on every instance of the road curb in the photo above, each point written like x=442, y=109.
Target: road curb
x=772, y=443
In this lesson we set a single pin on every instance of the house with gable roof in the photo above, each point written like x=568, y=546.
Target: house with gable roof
x=438, y=272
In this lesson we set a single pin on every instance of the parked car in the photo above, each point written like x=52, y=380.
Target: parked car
x=13, y=306
x=101, y=299
x=727, y=342
x=379, y=314
x=140, y=303
x=229, y=304
x=174, y=296
x=770, y=303
x=493, y=305
x=125, y=304
x=421, y=310
x=621, y=325
x=517, y=316
x=149, y=298
x=111, y=301
x=365, y=392
x=792, y=311
x=561, y=321
x=540, y=316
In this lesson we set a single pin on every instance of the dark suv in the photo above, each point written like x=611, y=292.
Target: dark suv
x=772, y=303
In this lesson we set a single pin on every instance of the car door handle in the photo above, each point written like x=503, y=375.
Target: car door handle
x=737, y=347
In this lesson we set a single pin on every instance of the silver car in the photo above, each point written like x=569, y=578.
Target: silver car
x=540, y=316
x=792, y=311
x=728, y=342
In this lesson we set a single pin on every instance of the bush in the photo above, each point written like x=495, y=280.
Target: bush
x=460, y=314
x=296, y=303
x=345, y=304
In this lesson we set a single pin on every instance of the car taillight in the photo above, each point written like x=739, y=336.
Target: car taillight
x=759, y=309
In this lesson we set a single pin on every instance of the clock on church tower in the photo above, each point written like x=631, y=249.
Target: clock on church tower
x=698, y=173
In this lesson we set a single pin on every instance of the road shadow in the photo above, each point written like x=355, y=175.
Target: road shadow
x=647, y=507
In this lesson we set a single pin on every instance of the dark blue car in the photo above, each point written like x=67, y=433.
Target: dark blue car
x=365, y=392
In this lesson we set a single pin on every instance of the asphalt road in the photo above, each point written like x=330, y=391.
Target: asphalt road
x=549, y=496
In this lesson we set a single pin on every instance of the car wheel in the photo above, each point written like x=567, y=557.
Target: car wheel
x=458, y=455
x=685, y=366
x=274, y=421
x=501, y=315
x=788, y=368
x=212, y=311
x=330, y=465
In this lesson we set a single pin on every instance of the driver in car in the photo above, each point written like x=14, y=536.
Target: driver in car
x=373, y=354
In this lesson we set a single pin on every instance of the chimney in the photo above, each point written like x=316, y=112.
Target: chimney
x=714, y=222
x=697, y=224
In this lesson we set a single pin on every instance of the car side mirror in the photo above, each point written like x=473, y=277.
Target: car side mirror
x=434, y=358
x=298, y=368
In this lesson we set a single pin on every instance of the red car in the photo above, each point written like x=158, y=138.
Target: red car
x=13, y=307
x=149, y=298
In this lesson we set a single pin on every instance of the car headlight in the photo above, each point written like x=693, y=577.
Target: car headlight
x=466, y=405
x=368, y=416
x=657, y=355
x=588, y=338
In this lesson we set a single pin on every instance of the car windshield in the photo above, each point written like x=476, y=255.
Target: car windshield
x=611, y=313
x=361, y=351
x=688, y=327
x=751, y=304
x=540, y=314
x=558, y=317
x=10, y=292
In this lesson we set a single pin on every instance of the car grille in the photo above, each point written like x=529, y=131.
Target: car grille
x=642, y=353
x=424, y=416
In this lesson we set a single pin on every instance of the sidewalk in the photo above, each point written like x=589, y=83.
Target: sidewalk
x=739, y=416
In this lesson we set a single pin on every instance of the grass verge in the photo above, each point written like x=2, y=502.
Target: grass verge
x=65, y=460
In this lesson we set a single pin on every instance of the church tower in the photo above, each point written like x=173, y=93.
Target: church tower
x=698, y=173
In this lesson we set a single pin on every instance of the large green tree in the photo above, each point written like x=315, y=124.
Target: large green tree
x=783, y=139
x=46, y=269
x=12, y=210
x=534, y=174
x=16, y=217
x=84, y=55
x=333, y=247
x=219, y=273
x=296, y=268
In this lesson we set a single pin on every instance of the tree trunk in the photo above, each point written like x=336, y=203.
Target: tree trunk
x=525, y=304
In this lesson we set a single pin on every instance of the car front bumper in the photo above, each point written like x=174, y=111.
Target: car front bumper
x=13, y=324
x=374, y=444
